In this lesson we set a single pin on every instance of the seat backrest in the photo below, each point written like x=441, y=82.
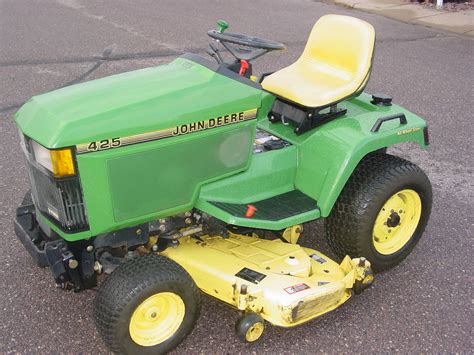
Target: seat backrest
x=343, y=43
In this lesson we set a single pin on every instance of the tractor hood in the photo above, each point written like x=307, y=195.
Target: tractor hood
x=187, y=90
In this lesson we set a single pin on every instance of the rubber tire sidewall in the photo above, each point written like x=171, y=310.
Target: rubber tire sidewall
x=349, y=227
x=391, y=260
x=245, y=322
x=144, y=288
x=130, y=346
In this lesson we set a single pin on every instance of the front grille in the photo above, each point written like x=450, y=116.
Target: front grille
x=59, y=199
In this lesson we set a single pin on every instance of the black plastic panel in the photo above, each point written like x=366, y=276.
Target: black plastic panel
x=250, y=275
x=59, y=200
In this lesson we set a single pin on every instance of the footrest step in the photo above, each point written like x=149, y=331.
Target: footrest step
x=275, y=208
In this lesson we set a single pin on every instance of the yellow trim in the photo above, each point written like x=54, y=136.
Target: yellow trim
x=335, y=63
x=254, y=332
x=156, y=319
x=116, y=142
x=396, y=222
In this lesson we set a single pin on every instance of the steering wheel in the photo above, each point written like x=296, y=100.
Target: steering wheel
x=253, y=46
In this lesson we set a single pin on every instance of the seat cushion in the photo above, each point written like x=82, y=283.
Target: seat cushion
x=335, y=64
x=316, y=90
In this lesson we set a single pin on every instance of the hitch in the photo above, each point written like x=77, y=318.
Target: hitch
x=68, y=271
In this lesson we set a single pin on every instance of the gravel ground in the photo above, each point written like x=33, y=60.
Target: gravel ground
x=423, y=305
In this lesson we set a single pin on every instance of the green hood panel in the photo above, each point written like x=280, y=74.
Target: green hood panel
x=140, y=101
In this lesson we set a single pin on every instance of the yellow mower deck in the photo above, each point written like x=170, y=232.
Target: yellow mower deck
x=285, y=283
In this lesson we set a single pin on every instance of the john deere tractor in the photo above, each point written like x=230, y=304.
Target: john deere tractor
x=197, y=177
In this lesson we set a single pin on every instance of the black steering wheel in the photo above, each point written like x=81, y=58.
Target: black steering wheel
x=253, y=47
x=244, y=40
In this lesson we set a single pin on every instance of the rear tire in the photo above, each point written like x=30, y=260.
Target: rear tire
x=148, y=305
x=364, y=222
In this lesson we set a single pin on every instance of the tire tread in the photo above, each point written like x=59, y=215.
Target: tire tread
x=125, y=283
x=350, y=215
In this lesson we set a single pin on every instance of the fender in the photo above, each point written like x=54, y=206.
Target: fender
x=318, y=163
x=327, y=158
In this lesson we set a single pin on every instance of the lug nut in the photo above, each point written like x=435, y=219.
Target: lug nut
x=73, y=263
x=89, y=248
x=188, y=214
x=162, y=228
x=188, y=221
x=98, y=267
x=154, y=248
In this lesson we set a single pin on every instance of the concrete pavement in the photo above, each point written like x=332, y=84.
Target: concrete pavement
x=461, y=22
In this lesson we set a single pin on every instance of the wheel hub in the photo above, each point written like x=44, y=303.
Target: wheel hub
x=393, y=220
x=156, y=319
x=396, y=222
x=254, y=332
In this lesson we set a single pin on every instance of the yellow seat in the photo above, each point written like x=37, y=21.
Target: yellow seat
x=335, y=64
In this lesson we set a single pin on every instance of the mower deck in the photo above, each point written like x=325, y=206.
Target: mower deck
x=284, y=283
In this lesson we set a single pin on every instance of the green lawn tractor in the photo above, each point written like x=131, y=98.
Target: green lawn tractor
x=197, y=176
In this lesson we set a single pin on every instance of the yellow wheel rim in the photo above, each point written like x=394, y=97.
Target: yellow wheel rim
x=254, y=332
x=396, y=222
x=156, y=319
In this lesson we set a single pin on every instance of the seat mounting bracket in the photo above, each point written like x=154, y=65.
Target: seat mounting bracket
x=303, y=119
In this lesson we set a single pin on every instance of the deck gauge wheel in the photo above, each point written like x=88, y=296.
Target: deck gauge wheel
x=250, y=327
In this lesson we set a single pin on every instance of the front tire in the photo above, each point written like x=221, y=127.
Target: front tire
x=382, y=211
x=148, y=305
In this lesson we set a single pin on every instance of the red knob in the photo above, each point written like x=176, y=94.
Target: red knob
x=250, y=211
x=244, y=65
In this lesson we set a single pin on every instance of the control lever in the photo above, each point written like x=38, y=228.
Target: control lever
x=212, y=54
x=222, y=26
x=216, y=51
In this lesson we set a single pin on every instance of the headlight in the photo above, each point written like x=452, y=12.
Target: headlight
x=59, y=161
